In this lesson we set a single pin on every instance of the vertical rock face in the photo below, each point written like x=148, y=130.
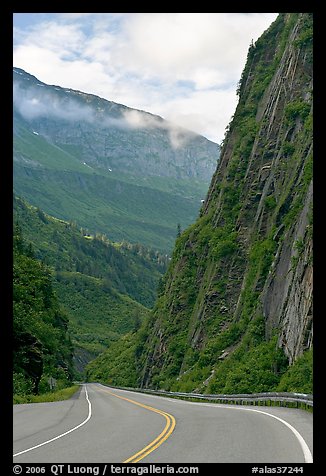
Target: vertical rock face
x=241, y=276
x=287, y=295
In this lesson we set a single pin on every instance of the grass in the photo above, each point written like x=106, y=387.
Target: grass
x=59, y=395
x=36, y=148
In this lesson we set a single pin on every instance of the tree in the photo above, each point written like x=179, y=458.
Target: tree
x=137, y=320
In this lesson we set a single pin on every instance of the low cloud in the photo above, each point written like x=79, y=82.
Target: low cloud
x=140, y=60
x=178, y=136
x=139, y=120
x=38, y=101
x=32, y=103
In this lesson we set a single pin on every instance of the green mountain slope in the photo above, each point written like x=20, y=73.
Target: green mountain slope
x=234, y=313
x=98, y=314
x=115, y=170
x=104, y=288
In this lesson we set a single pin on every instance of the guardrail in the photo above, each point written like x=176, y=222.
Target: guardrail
x=297, y=400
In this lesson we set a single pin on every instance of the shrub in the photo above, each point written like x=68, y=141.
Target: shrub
x=288, y=148
x=21, y=385
x=254, y=369
x=299, y=377
x=270, y=202
x=296, y=109
x=225, y=248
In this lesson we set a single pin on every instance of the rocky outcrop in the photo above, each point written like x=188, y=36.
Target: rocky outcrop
x=242, y=274
x=287, y=296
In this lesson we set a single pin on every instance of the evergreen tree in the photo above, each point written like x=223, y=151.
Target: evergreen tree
x=40, y=342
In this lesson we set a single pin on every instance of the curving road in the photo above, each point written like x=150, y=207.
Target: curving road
x=100, y=425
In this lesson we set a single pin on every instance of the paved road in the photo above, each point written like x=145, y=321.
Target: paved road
x=101, y=424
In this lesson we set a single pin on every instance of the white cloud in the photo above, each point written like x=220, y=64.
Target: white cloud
x=181, y=44
x=177, y=135
x=34, y=102
x=182, y=66
x=62, y=39
x=137, y=120
x=204, y=112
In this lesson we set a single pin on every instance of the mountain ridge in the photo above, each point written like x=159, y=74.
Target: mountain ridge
x=107, y=151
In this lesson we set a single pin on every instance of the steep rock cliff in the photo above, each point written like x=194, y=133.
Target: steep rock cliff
x=235, y=307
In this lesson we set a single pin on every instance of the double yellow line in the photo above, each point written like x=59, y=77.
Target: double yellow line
x=163, y=436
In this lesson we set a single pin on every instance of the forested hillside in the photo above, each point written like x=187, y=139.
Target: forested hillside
x=104, y=288
x=41, y=344
x=234, y=312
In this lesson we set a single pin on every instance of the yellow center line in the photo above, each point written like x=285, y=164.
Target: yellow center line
x=163, y=436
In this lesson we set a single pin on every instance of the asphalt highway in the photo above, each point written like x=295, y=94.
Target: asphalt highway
x=105, y=425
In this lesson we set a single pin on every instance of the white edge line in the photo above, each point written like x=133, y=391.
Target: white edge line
x=63, y=434
x=305, y=448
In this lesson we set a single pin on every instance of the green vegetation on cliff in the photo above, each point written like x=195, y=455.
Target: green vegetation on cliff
x=234, y=311
x=117, y=365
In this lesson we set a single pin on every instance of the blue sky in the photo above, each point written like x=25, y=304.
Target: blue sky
x=182, y=66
